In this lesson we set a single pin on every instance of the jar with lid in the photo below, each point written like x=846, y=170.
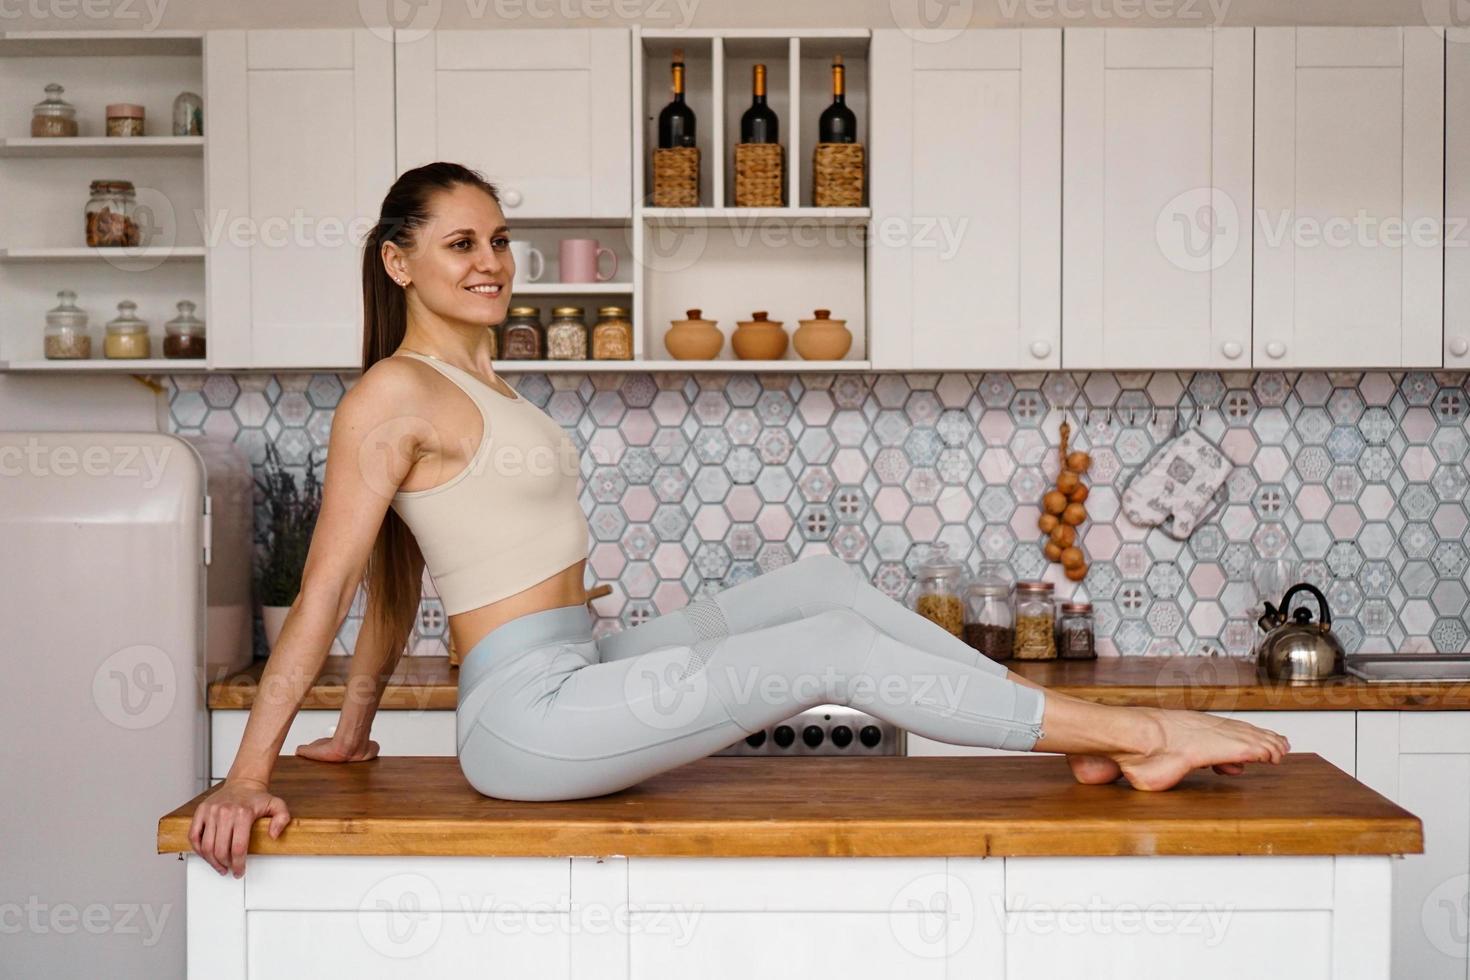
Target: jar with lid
x=522, y=336
x=110, y=214
x=188, y=115
x=53, y=115
x=935, y=595
x=124, y=119
x=1035, y=621
x=66, y=330
x=990, y=620
x=566, y=334
x=183, y=336
x=612, y=335
x=127, y=336
x=1075, y=635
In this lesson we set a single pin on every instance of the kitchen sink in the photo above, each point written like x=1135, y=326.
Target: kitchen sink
x=1399, y=667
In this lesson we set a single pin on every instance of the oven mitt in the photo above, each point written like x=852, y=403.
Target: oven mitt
x=1174, y=489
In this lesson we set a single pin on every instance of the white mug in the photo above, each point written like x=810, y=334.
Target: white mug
x=528, y=258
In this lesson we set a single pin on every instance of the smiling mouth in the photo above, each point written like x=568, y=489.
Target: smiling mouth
x=486, y=289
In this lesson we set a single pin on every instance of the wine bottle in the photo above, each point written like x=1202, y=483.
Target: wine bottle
x=676, y=120
x=837, y=123
x=759, y=123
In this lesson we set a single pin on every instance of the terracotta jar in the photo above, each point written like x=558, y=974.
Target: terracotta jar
x=822, y=338
x=694, y=339
x=759, y=339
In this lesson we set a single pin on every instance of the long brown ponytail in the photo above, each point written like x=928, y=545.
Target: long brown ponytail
x=393, y=565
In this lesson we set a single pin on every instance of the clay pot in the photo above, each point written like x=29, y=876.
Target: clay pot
x=759, y=339
x=694, y=339
x=822, y=338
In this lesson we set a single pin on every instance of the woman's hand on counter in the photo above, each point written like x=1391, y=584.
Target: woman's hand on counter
x=328, y=749
x=220, y=832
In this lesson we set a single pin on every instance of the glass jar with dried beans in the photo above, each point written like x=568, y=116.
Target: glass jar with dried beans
x=522, y=336
x=66, y=330
x=935, y=594
x=1035, y=621
x=990, y=623
x=566, y=334
x=612, y=336
x=110, y=221
x=53, y=116
x=1075, y=636
x=183, y=336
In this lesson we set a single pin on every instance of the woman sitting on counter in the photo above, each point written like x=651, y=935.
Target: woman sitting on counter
x=435, y=461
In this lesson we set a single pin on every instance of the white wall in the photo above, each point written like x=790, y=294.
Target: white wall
x=47, y=403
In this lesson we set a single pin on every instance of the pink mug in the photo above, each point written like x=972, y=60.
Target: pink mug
x=579, y=260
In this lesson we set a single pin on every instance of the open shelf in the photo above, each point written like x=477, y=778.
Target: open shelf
x=119, y=365
x=84, y=253
x=719, y=365
x=735, y=216
x=103, y=146
x=67, y=44
x=572, y=289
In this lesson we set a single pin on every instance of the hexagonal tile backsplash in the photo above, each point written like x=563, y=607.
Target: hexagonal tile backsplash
x=693, y=482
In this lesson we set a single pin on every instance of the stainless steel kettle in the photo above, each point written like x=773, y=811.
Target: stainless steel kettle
x=1299, y=651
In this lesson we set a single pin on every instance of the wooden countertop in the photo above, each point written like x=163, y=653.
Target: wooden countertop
x=1200, y=683
x=816, y=807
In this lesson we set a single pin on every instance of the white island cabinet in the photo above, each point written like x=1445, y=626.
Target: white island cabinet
x=736, y=867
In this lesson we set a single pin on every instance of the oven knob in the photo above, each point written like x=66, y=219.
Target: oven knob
x=812, y=736
x=785, y=735
x=757, y=740
x=870, y=735
x=842, y=736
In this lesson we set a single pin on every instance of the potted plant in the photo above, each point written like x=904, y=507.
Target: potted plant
x=291, y=512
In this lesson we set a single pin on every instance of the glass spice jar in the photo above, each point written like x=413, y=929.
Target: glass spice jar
x=183, y=336
x=53, y=116
x=612, y=335
x=522, y=336
x=127, y=336
x=66, y=330
x=566, y=334
x=110, y=214
x=124, y=119
x=990, y=619
x=188, y=115
x=1075, y=636
x=935, y=594
x=1035, y=621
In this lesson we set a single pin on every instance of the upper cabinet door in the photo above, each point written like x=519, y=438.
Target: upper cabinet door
x=546, y=115
x=1457, y=199
x=965, y=259
x=1349, y=197
x=1156, y=199
x=300, y=154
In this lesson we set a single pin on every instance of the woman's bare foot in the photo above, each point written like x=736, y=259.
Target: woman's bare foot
x=1185, y=740
x=1093, y=769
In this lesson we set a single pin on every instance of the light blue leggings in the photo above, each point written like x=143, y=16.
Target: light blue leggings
x=547, y=712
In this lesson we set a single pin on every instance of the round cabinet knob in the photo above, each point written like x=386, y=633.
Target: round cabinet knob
x=1231, y=349
x=510, y=197
x=1276, y=349
x=1040, y=349
x=1460, y=347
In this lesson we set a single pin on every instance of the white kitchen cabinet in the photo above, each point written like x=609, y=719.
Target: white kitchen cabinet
x=965, y=259
x=397, y=732
x=1421, y=761
x=1457, y=199
x=1156, y=191
x=298, y=158
x=1329, y=734
x=1349, y=195
x=546, y=115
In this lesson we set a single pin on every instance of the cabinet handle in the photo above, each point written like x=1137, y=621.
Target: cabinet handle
x=1040, y=349
x=1460, y=347
x=510, y=197
x=1231, y=349
x=1276, y=349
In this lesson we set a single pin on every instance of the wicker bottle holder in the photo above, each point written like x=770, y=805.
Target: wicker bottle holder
x=676, y=177
x=837, y=175
x=759, y=171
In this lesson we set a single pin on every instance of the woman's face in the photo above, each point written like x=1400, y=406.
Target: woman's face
x=460, y=267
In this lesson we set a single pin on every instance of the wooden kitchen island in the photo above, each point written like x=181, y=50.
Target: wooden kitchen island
x=765, y=867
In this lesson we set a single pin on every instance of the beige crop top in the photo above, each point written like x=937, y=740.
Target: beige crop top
x=510, y=518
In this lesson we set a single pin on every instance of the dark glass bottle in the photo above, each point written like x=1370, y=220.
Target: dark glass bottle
x=676, y=120
x=759, y=123
x=837, y=123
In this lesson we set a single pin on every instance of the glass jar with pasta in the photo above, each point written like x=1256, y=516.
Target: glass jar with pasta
x=936, y=592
